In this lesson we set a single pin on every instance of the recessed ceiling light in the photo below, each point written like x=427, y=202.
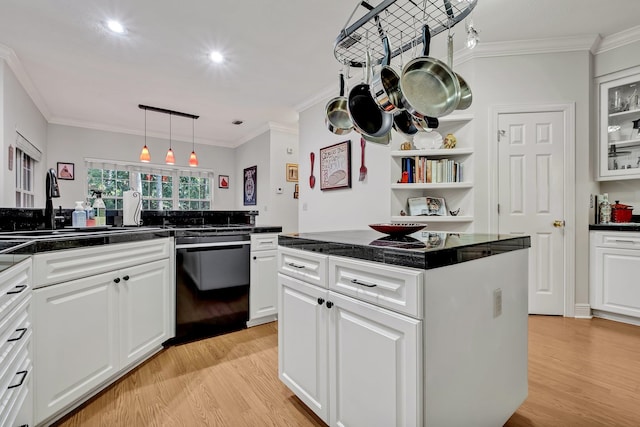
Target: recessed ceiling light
x=216, y=57
x=237, y=122
x=115, y=26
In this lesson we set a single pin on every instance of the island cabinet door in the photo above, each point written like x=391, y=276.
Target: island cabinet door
x=302, y=342
x=144, y=293
x=375, y=365
x=75, y=347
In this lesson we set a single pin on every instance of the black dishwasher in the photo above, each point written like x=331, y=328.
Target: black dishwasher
x=212, y=285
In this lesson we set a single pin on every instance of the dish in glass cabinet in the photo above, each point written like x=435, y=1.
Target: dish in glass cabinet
x=397, y=229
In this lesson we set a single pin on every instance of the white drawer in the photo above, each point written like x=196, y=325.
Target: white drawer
x=14, y=329
x=15, y=397
x=398, y=289
x=310, y=267
x=70, y=264
x=15, y=287
x=11, y=373
x=264, y=242
x=617, y=239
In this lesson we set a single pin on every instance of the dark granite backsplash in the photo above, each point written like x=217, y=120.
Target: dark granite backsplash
x=21, y=219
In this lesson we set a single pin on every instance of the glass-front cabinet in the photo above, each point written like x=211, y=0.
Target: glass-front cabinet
x=619, y=148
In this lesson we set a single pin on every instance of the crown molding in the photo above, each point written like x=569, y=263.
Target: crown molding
x=529, y=47
x=327, y=93
x=10, y=57
x=620, y=39
x=159, y=135
x=284, y=128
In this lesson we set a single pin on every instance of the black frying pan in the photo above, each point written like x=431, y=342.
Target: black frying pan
x=365, y=114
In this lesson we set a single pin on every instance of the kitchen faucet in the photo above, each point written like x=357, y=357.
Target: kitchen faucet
x=52, y=190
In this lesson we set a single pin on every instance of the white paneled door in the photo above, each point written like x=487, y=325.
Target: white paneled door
x=531, y=199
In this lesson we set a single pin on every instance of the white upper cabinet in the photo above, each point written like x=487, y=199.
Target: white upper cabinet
x=619, y=126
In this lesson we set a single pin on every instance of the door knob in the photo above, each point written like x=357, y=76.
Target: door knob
x=558, y=223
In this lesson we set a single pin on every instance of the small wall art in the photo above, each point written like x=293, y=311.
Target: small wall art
x=223, y=181
x=250, y=186
x=66, y=171
x=296, y=192
x=335, y=166
x=292, y=172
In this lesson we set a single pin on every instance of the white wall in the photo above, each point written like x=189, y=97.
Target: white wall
x=19, y=113
x=366, y=202
x=284, y=208
x=74, y=144
x=255, y=152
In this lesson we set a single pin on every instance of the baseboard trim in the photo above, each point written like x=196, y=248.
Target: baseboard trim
x=617, y=317
x=262, y=320
x=583, y=311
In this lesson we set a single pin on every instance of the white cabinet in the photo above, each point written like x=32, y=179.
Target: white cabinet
x=353, y=363
x=16, y=367
x=89, y=330
x=263, y=289
x=458, y=192
x=619, y=133
x=615, y=269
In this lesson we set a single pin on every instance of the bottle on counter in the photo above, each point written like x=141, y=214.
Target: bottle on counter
x=79, y=216
x=100, y=209
x=605, y=209
x=91, y=220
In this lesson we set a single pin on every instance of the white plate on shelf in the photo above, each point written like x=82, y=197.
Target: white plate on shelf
x=427, y=140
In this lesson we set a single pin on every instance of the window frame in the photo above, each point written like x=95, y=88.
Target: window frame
x=136, y=170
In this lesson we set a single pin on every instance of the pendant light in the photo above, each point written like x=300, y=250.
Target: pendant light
x=145, y=156
x=193, y=159
x=170, y=159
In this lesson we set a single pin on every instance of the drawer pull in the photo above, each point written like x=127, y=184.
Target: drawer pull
x=356, y=282
x=290, y=264
x=19, y=288
x=624, y=241
x=22, y=332
x=24, y=375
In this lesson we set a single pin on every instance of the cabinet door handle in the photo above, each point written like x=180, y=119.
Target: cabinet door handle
x=126, y=277
x=19, y=288
x=255, y=258
x=24, y=375
x=290, y=264
x=116, y=280
x=18, y=338
x=320, y=301
x=329, y=304
x=357, y=282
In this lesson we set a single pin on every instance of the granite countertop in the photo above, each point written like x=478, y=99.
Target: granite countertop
x=423, y=249
x=623, y=226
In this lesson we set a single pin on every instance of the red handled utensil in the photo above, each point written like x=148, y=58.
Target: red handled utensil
x=312, y=179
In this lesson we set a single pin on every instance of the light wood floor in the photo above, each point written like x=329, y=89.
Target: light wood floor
x=582, y=373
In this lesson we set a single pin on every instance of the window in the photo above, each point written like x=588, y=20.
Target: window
x=162, y=187
x=26, y=157
x=24, y=167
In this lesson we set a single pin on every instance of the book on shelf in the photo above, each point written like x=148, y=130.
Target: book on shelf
x=421, y=169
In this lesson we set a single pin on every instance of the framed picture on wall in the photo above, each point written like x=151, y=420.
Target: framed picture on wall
x=250, y=186
x=292, y=172
x=66, y=171
x=223, y=181
x=335, y=166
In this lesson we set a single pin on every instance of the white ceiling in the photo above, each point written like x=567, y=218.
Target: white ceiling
x=280, y=56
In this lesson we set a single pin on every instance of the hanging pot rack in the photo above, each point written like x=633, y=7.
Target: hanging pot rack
x=398, y=19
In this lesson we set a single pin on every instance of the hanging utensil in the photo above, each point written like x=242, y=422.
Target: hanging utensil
x=465, y=91
x=366, y=116
x=337, y=117
x=312, y=179
x=429, y=87
x=363, y=168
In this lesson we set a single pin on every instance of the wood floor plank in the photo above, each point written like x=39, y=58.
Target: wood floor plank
x=582, y=373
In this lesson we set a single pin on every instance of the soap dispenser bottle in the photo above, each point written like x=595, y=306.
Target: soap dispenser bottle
x=100, y=209
x=79, y=216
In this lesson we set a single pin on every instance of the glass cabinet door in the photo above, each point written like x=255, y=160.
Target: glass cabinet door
x=620, y=128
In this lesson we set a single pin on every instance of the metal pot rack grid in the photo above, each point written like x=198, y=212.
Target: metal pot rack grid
x=401, y=21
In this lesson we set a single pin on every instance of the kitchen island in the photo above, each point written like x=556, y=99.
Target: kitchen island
x=424, y=330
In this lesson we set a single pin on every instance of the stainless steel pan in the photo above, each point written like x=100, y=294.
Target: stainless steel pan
x=337, y=117
x=385, y=85
x=429, y=86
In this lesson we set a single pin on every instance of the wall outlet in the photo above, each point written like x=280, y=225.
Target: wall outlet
x=304, y=206
x=497, y=302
